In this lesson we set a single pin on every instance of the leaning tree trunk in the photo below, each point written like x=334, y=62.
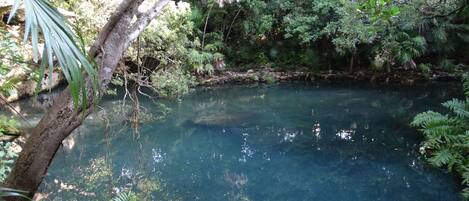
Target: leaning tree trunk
x=61, y=119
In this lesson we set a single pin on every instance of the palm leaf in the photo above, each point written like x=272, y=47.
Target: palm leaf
x=59, y=42
x=9, y=192
x=125, y=196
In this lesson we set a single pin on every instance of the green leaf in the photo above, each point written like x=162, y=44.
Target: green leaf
x=394, y=10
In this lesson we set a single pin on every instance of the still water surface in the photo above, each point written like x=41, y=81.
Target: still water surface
x=278, y=142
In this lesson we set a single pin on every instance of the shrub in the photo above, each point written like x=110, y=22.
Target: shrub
x=173, y=40
x=171, y=83
x=11, y=60
x=269, y=79
x=8, y=126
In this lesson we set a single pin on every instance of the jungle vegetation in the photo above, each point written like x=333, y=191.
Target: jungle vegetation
x=192, y=39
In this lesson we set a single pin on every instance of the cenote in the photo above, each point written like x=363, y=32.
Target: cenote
x=292, y=141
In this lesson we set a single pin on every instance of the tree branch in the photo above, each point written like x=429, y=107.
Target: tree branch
x=144, y=19
x=113, y=20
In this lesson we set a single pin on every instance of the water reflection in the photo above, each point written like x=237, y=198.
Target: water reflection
x=284, y=142
x=157, y=155
x=246, y=150
x=345, y=134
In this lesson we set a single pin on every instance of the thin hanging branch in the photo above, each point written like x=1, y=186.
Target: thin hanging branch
x=3, y=101
x=205, y=26
x=232, y=23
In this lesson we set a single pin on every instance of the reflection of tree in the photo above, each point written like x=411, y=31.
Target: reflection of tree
x=91, y=181
x=98, y=177
x=86, y=182
x=101, y=178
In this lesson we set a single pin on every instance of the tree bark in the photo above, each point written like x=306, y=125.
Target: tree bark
x=63, y=118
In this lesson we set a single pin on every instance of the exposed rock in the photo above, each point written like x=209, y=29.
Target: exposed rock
x=266, y=75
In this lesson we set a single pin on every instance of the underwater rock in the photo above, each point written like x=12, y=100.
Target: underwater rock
x=223, y=119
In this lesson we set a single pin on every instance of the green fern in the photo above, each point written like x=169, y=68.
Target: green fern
x=427, y=118
x=441, y=158
x=458, y=107
x=447, y=137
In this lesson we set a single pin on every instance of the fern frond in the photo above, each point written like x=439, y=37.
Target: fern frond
x=458, y=107
x=441, y=157
x=439, y=130
x=465, y=176
x=466, y=85
x=425, y=118
x=465, y=193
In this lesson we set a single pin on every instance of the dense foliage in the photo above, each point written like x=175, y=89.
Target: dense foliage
x=11, y=58
x=171, y=83
x=200, y=37
x=328, y=34
x=171, y=39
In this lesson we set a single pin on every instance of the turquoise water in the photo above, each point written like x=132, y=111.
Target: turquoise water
x=278, y=142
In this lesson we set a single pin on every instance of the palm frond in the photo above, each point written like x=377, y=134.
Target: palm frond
x=9, y=192
x=59, y=42
x=125, y=196
x=440, y=34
